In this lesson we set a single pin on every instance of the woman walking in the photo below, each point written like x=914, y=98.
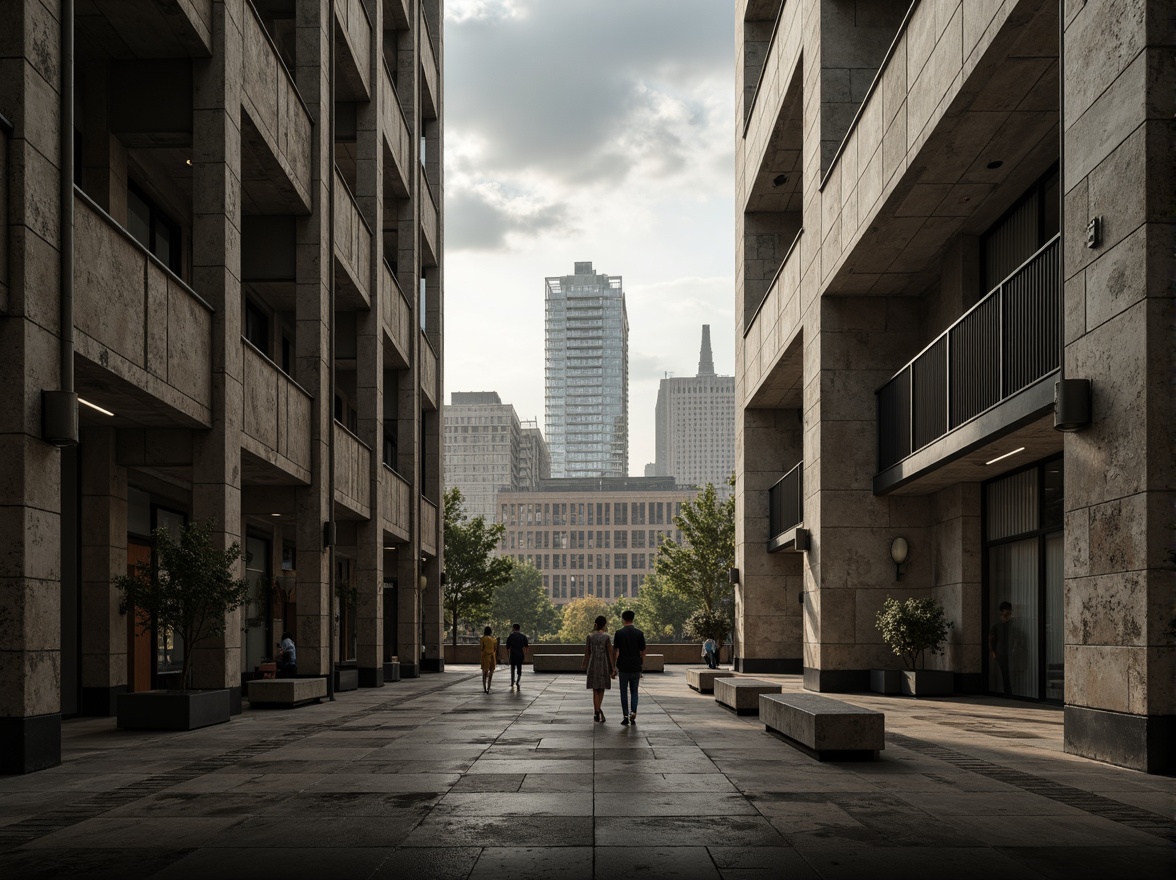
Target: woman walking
x=598, y=662
x=489, y=646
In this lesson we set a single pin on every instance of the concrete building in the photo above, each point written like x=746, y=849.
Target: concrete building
x=695, y=427
x=587, y=374
x=909, y=295
x=591, y=537
x=224, y=234
x=488, y=449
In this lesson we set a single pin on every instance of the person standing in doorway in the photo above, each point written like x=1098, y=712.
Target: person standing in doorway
x=629, y=656
x=999, y=642
x=489, y=646
x=516, y=649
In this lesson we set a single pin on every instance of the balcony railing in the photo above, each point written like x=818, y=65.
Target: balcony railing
x=1002, y=345
x=786, y=512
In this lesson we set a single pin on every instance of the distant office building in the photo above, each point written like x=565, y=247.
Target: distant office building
x=487, y=449
x=587, y=369
x=696, y=425
x=591, y=537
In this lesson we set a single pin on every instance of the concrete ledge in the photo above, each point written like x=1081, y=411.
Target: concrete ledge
x=742, y=694
x=703, y=680
x=574, y=662
x=346, y=678
x=285, y=693
x=557, y=662
x=174, y=710
x=824, y=728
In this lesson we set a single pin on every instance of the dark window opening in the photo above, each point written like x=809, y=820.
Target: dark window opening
x=153, y=229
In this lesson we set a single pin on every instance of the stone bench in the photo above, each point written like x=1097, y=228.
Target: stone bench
x=742, y=694
x=574, y=662
x=285, y=693
x=824, y=728
x=703, y=680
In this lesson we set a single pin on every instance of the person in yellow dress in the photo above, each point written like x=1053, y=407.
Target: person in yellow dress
x=489, y=658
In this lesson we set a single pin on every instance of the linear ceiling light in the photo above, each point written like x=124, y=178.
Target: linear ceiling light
x=1006, y=455
x=95, y=406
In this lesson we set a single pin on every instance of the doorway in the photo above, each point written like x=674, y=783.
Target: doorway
x=1023, y=583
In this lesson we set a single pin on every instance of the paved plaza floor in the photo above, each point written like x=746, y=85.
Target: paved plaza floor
x=432, y=778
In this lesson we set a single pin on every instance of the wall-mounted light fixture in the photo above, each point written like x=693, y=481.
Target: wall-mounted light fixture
x=1072, y=398
x=424, y=582
x=898, y=553
x=329, y=534
x=732, y=575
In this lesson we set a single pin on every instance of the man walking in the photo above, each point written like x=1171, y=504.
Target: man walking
x=516, y=646
x=628, y=654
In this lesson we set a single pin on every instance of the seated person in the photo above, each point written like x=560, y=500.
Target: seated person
x=287, y=657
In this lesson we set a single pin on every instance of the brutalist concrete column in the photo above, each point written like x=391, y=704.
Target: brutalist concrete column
x=1120, y=654
x=314, y=321
x=956, y=582
x=860, y=343
x=102, y=627
x=216, y=268
x=408, y=614
x=30, y=483
x=768, y=612
x=369, y=377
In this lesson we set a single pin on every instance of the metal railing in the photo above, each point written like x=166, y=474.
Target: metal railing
x=1003, y=344
x=786, y=502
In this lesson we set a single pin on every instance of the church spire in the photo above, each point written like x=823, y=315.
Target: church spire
x=706, y=363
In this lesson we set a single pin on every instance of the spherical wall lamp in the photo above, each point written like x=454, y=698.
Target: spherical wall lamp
x=898, y=554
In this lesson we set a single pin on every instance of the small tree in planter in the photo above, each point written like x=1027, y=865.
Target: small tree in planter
x=706, y=624
x=187, y=588
x=912, y=628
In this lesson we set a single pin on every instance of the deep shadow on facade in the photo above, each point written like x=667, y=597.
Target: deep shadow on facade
x=250, y=235
x=922, y=260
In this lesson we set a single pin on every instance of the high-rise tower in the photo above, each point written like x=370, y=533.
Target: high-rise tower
x=695, y=438
x=587, y=374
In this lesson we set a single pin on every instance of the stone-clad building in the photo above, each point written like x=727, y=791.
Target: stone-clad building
x=910, y=293
x=224, y=235
x=487, y=449
x=591, y=537
x=695, y=425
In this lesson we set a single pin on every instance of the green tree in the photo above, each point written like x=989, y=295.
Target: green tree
x=472, y=571
x=697, y=569
x=912, y=627
x=579, y=619
x=188, y=588
x=661, y=611
x=523, y=600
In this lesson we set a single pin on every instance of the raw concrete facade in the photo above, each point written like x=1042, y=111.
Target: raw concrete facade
x=908, y=295
x=487, y=449
x=695, y=425
x=591, y=537
x=259, y=333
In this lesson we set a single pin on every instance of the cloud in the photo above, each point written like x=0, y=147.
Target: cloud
x=483, y=218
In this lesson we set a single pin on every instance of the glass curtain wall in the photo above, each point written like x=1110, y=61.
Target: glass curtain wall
x=1024, y=583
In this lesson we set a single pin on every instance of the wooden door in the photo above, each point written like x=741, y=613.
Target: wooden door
x=139, y=642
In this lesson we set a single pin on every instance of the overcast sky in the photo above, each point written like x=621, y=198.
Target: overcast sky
x=598, y=130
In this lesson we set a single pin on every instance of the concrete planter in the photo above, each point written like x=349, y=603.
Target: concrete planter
x=886, y=681
x=346, y=679
x=927, y=682
x=173, y=710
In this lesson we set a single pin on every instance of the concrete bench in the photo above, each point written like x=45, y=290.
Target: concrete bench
x=574, y=662
x=824, y=728
x=285, y=693
x=742, y=694
x=703, y=680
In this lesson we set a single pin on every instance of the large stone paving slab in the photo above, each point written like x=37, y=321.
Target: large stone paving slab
x=430, y=778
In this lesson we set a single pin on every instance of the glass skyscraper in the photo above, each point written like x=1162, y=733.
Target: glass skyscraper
x=587, y=374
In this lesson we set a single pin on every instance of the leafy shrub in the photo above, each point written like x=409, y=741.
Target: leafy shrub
x=909, y=628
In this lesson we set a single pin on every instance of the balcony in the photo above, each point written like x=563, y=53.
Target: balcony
x=395, y=128
x=353, y=473
x=276, y=417
x=428, y=217
x=353, y=247
x=397, y=497
x=428, y=371
x=138, y=323
x=396, y=314
x=998, y=355
x=354, y=42
x=429, y=73
x=786, y=513
x=428, y=526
